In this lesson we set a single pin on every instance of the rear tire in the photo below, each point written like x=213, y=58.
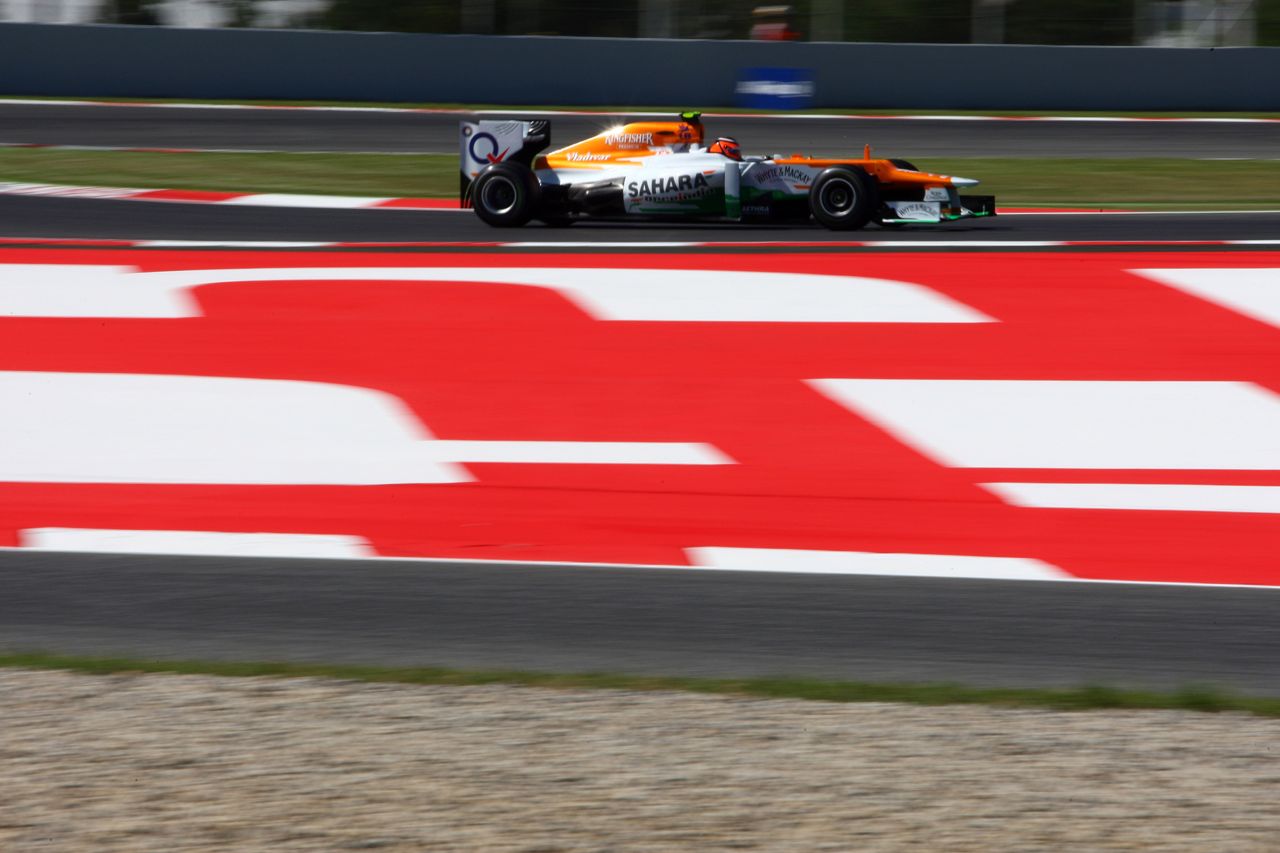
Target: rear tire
x=843, y=198
x=505, y=195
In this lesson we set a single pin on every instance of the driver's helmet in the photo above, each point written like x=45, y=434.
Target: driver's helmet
x=728, y=146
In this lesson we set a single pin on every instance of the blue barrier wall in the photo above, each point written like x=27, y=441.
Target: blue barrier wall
x=119, y=61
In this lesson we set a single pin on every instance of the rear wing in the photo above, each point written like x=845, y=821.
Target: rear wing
x=485, y=142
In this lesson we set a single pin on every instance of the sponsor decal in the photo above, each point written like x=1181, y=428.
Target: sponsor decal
x=936, y=194
x=781, y=173
x=482, y=141
x=667, y=185
x=585, y=156
x=628, y=139
x=917, y=210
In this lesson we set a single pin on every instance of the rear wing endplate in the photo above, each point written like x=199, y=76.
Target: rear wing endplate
x=483, y=143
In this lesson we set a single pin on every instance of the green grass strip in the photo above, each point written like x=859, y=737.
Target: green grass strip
x=620, y=110
x=1201, y=699
x=1152, y=182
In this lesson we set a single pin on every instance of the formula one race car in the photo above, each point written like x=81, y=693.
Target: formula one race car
x=662, y=170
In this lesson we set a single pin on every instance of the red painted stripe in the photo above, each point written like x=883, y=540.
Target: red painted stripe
x=209, y=196
x=425, y=203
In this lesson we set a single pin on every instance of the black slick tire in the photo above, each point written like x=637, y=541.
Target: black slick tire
x=506, y=195
x=843, y=198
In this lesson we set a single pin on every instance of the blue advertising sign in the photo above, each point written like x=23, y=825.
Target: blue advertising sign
x=775, y=88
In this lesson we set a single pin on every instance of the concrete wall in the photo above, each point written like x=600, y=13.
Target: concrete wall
x=160, y=62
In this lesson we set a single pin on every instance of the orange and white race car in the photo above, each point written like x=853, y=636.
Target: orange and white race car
x=665, y=170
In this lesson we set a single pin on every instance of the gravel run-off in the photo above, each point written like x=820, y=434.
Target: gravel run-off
x=195, y=763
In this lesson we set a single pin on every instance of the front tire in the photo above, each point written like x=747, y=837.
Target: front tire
x=843, y=198
x=506, y=195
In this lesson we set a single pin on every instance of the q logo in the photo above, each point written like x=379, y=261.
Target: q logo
x=492, y=155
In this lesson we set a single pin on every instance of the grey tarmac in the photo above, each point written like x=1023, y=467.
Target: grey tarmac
x=36, y=216
x=305, y=130
x=678, y=622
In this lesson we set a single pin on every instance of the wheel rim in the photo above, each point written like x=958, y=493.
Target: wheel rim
x=499, y=195
x=838, y=198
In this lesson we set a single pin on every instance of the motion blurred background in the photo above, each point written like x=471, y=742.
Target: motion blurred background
x=1163, y=23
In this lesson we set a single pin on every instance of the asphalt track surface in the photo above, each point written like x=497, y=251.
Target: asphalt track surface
x=23, y=216
x=575, y=619
x=294, y=130
x=645, y=621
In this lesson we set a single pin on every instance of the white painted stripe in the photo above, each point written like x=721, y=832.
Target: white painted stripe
x=196, y=542
x=1140, y=496
x=783, y=560
x=604, y=293
x=733, y=296
x=295, y=200
x=72, y=290
x=135, y=428
x=1073, y=424
x=1252, y=292
x=580, y=452
x=140, y=428
x=190, y=106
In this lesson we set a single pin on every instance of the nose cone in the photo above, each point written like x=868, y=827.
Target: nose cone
x=964, y=182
